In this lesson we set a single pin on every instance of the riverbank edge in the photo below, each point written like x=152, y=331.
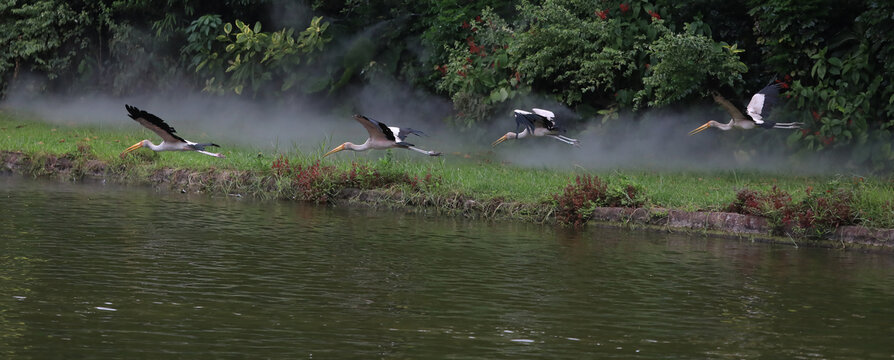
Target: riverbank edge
x=241, y=182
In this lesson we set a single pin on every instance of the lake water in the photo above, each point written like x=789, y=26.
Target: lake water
x=111, y=272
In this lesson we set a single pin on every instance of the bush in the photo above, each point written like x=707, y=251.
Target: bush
x=319, y=183
x=480, y=71
x=817, y=215
x=580, y=198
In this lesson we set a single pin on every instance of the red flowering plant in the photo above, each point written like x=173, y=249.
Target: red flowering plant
x=817, y=214
x=585, y=54
x=480, y=72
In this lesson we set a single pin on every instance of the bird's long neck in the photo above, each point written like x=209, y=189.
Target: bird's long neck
x=522, y=134
x=721, y=126
x=355, y=147
x=150, y=145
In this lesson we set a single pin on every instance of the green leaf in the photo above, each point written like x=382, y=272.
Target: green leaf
x=835, y=61
x=494, y=96
x=793, y=138
x=228, y=28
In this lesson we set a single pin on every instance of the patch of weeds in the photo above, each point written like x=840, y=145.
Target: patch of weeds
x=580, y=198
x=817, y=215
x=626, y=193
x=319, y=183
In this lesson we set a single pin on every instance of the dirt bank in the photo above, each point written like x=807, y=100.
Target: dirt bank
x=226, y=181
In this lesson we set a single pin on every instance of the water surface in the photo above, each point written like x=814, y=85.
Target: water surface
x=112, y=272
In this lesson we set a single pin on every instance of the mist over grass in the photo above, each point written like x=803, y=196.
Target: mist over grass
x=655, y=141
x=659, y=140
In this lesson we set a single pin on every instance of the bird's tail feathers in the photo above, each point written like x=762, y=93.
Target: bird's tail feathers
x=414, y=131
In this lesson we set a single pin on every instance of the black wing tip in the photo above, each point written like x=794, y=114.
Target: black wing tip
x=133, y=111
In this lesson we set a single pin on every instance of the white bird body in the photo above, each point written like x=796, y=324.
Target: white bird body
x=382, y=137
x=170, y=140
x=758, y=108
x=539, y=123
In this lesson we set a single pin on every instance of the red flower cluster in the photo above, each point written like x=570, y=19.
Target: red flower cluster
x=785, y=84
x=602, y=14
x=281, y=166
x=624, y=8
x=442, y=69
x=466, y=25
x=816, y=115
x=654, y=15
x=474, y=48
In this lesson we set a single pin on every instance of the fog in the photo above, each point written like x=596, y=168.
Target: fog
x=653, y=140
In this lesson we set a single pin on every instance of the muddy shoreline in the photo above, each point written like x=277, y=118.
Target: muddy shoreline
x=236, y=182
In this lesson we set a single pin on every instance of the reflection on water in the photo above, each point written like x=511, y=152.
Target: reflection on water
x=95, y=271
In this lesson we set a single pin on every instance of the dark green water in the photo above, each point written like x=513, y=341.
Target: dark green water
x=109, y=272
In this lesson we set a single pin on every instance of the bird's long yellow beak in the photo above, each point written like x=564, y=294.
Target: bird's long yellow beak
x=700, y=128
x=131, y=148
x=333, y=151
x=500, y=140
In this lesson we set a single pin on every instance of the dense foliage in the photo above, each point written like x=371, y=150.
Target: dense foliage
x=596, y=56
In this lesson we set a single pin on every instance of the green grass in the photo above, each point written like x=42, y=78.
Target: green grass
x=478, y=178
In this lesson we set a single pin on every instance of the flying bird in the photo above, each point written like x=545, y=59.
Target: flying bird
x=758, y=108
x=381, y=137
x=539, y=123
x=171, y=141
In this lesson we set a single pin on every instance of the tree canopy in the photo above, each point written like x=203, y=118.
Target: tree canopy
x=597, y=57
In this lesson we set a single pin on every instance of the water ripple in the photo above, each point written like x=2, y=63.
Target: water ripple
x=122, y=272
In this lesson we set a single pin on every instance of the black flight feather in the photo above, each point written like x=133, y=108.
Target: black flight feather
x=202, y=146
x=136, y=113
x=404, y=132
x=385, y=130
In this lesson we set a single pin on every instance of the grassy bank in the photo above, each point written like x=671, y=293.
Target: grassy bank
x=450, y=181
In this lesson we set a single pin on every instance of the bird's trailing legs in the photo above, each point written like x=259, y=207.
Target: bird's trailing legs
x=210, y=153
x=565, y=139
x=791, y=125
x=426, y=152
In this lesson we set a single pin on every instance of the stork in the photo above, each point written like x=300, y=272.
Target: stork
x=382, y=137
x=539, y=123
x=759, y=107
x=171, y=142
